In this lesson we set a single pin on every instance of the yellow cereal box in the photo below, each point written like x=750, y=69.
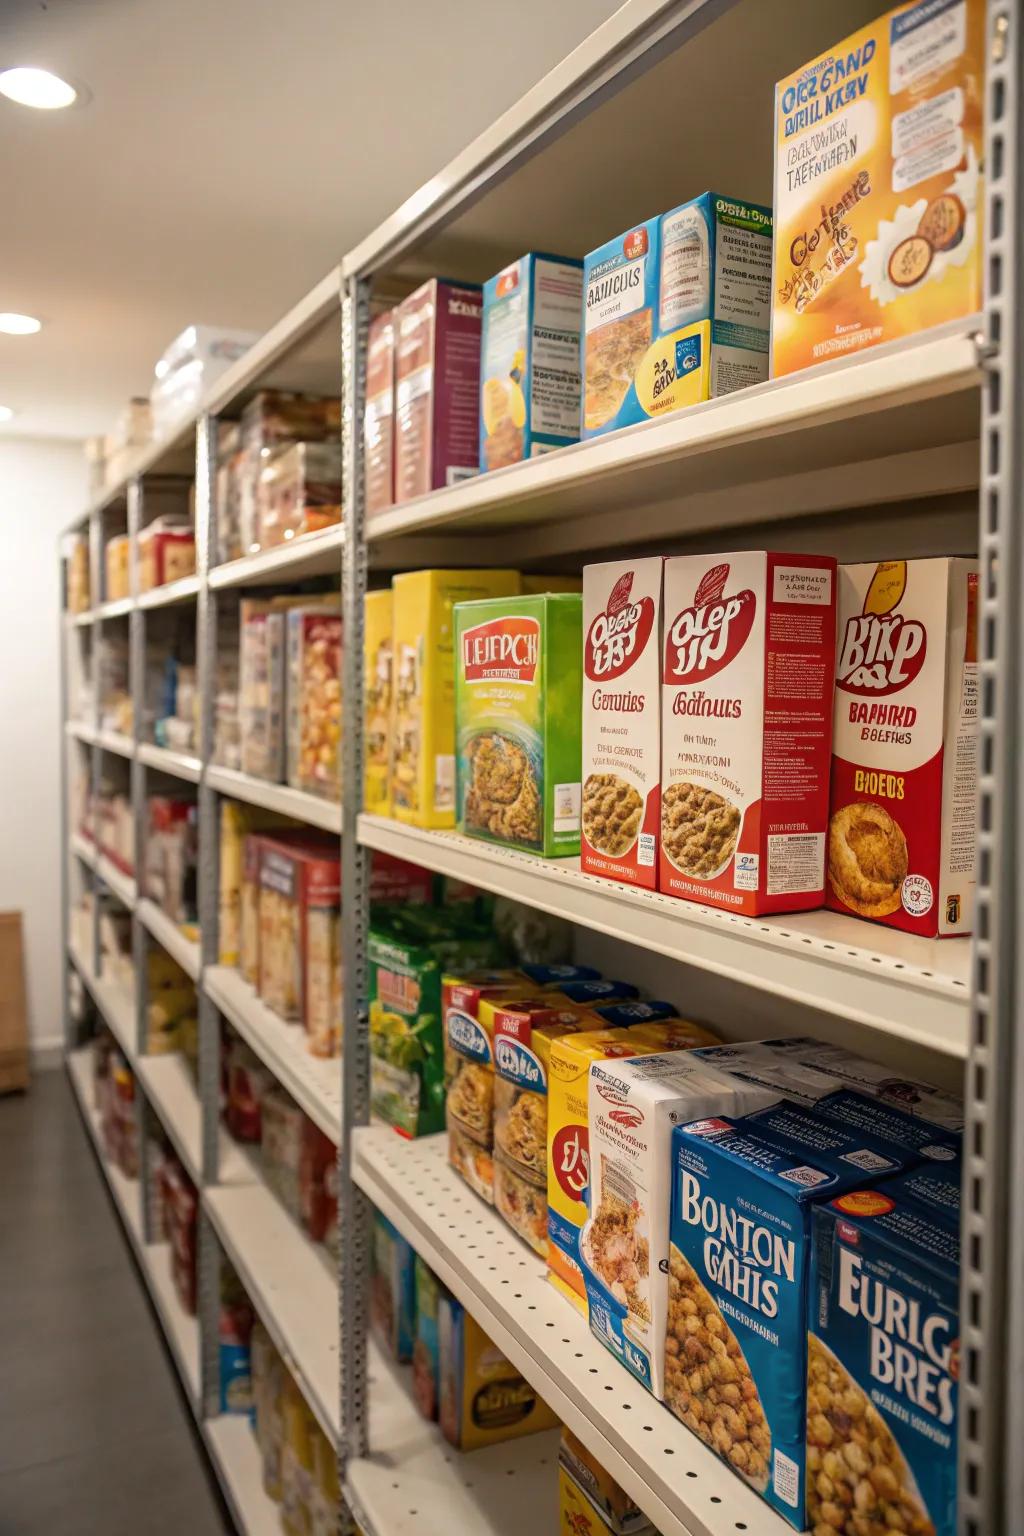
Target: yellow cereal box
x=878, y=187
x=377, y=626
x=569, y=1142
x=423, y=692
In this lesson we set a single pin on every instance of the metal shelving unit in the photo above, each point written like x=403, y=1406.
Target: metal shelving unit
x=835, y=457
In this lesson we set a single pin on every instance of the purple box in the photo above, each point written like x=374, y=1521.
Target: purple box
x=437, y=387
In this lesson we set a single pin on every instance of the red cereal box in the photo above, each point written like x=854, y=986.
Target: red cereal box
x=299, y=965
x=904, y=766
x=437, y=387
x=746, y=728
x=622, y=720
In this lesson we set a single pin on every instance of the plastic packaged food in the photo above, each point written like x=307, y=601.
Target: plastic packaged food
x=437, y=387
x=299, y=491
x=378, y=611
x=314, y=701
x=189, y=367
x=379, y=414
x=167, y=552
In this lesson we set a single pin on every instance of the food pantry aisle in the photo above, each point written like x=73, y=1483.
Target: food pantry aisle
x=95, y=1437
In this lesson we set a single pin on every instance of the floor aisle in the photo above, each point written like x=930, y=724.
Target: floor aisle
x=95, y=1438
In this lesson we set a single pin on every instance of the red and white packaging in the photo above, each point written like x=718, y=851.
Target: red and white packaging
x=904, y=768
x=378, y=415
x=622, y=610
x=746, y=729
x=437, y=387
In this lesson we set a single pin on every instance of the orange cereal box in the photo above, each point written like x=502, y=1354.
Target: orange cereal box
x=878, y=186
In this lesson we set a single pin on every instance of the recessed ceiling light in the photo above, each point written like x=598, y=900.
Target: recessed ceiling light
x=19, y=325
x=36, y=88
x=5, y=413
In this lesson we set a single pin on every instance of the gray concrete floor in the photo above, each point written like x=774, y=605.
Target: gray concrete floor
x=95, y=1436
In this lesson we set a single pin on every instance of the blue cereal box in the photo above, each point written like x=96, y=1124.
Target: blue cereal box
x=935, y=1186
x=883, y=1363
x=676, y=311
x=739, y=1260
x=530, y=359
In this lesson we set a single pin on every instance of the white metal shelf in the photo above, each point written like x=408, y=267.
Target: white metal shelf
x=169, y=936
x=117, y=608
x=681, y=1485
x=180, y=765
x=236, y=1458
x=276, y=797
x=169, y=1087
x=117, y=742
x=184, y=590
x=80, y=730
x=292, y=1288
x=125, y=1191
x=114, y=1001
x=122, y=885
x=911, y=988
x=413, y=1483
x=314, y=1084
x=182, y=1330
x=314, y=554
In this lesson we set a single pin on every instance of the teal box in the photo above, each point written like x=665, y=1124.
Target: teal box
x=676, y=311
x=530, y=359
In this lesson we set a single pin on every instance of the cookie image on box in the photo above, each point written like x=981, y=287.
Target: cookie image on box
x=867, y=859
x=699, y=828
x=612, y=813
x=503, y=797
x=708, y=1383
x=612, y=356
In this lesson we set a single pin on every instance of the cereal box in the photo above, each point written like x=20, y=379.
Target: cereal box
x=591, y=1501
x=483, y=1397
x=883, y=1366
x=676, y=311
x=530, y=359
x=523, y=1031
x=314, y=701
x=918, y=1098
x=437, y=387
x=469, y=1097
x=937, y=1187
x=299, y=951
x=904, y=766
x=517, y=706
x=568, y=1142
x=622, y=720
x=378, y=623
x=878, y=186
x=379, y=413
x=738, y=1271
x=745, y=729
x=423, y=688
x=261, y=662
x=392, y=1289
x=633, y=1106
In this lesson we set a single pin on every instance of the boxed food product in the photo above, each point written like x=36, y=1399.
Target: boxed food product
x=740, y=1256
x=922, y=1099
x=234, y=1334
x=426, y=1353
x=379, y=415
x=904, y=765
x=517, y=713
x=189, y=367
x=281, y=1131
x=267, y=1381
x=530, y=359
x=318, y=1185
x=591, y=1501
x=78, y=576
x=300, y=896
x=249, y=911
x=171, y=853
x=261, y=659
x=622, y=720
x=935, y=1186
x=248, y=1080
x=676, y=311
x=271, y=420
x=296, y=1460
x=398, y=882
x=883, y=1366
x=167, y=552
x=633, y=1106
x=117, y=562
x=423, y=683
x=392, y=1289
x=299, y=491
x=483, y=1397
x=378, y=623
x=314, y=700
x=231, y=461
x=238, y=883
x=437, y=387
x=523, y=1033
x=878, y=233
x=745, y=729
x=469, y=1094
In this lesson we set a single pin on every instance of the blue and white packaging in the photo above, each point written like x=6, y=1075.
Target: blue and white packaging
x=676, y=311
x=883, y=1363
x=736, y=1335
x=530, y=359
x=632, y=1108
x=917, y=1098
x=934, y=1186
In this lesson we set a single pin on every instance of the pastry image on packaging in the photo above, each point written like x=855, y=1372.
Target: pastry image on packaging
x=904, y=769
x=622, y=720
x=676, y=311
x=517, y=704
x=878, y=184
x=746, y=722
x=530, y=359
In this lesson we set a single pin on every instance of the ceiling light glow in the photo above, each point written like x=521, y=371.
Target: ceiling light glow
x=5, y=413
x=19, y=325
x=36, y=88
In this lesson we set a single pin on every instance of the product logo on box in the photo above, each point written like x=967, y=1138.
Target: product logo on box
x=505, y=648
x=508, y=282
x=467, y=1037
x=615, y=1093
x=518, y=1064
x=746, y=1258
x=619, y=635
x=635, y=244
x=881, y=651
x=705, y=638
x=464, y=307
x=570, y=1159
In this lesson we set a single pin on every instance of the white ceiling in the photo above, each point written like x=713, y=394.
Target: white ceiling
x=232, y=151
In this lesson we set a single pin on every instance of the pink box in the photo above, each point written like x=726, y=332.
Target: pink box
x=437, y=387
x=379, y=415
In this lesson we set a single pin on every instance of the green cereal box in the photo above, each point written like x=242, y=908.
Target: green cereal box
x=518, y=687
